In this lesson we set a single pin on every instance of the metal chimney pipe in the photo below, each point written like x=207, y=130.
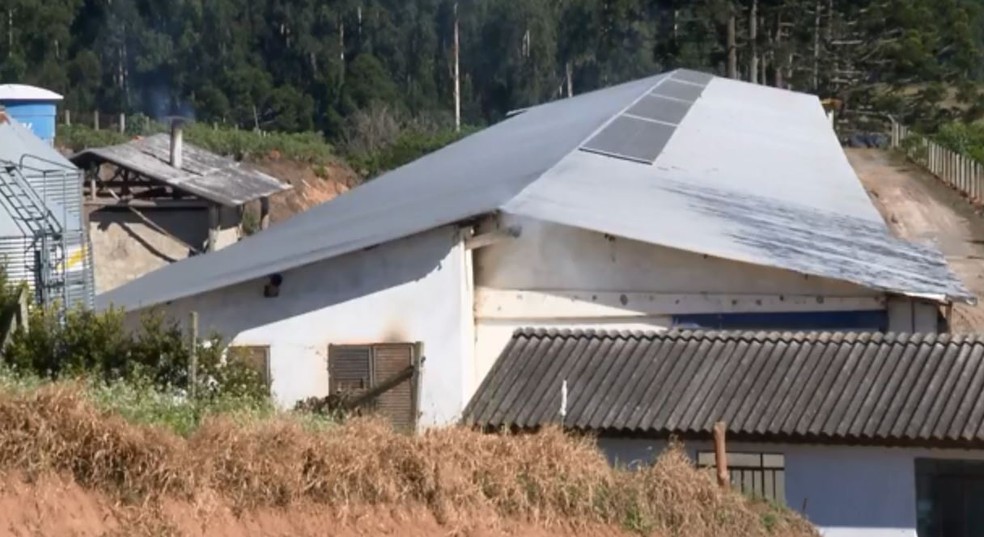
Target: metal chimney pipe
x=177, y=142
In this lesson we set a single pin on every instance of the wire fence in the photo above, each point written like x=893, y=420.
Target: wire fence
x=960, y=172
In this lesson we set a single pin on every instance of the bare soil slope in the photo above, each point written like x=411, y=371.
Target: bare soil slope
x=311, y=186
x=920, y=208
x=51, y=506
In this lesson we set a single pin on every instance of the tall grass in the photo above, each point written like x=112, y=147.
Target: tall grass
x=276, y=461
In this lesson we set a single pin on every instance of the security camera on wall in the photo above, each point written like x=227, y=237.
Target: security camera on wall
x=272, y=288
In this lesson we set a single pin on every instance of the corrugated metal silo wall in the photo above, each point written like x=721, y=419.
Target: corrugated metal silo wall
x=78, y=273
x=64, y=187
x=17, y=257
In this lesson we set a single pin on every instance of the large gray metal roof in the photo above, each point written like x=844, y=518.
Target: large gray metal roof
x=204, y=174
x=865, y=388
x=748, y=173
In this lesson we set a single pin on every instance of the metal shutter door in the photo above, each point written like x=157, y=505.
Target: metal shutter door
x=349, y=369
x=397, y=404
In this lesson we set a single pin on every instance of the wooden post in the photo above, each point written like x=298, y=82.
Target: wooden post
x=68, y=117
x=264, y=212
x=213, y=227
x=193, y=356
x=122, y=123
x=721, y=454
x=95, y=120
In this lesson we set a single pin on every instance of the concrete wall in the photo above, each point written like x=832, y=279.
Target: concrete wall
x=846, y=491
x=125, y=247
x=411, y=290
x=560, y=276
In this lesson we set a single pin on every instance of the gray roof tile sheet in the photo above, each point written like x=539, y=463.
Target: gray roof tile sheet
x=204, y=174
x=853, y=388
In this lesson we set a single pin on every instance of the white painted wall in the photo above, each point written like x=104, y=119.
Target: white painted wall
x=411, y=290
x=560, y=276
x=846, y=491
x=554, y=257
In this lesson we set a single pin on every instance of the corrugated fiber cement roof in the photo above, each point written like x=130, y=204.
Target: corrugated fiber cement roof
x=866, y=389
x=203, y=173
x=684, y=160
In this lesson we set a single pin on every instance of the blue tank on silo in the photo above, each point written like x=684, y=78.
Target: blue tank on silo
x=35, y=108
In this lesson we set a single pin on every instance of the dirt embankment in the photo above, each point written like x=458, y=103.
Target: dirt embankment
x=68, y=469
x=920, y=208
x=312, y=185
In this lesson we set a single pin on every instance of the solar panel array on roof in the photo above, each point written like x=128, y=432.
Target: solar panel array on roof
x=676, y=89
x=642, y=131
x=660, y=109
x=631, y=138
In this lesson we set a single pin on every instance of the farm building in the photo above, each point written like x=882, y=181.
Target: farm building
x=43, y=241
x=864, y=434
x=680, y=200
x=153, y=201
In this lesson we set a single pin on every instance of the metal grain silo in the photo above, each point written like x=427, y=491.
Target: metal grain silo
x=35, y=108
x=42, y=233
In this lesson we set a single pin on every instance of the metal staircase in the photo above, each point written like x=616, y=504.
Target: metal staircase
x=33, y=217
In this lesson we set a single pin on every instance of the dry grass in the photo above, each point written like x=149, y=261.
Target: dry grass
x=459, y=475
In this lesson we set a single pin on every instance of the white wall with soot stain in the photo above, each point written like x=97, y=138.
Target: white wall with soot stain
x=560, y=276
x=411, y=290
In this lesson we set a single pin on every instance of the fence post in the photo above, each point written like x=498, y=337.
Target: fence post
x=122, y=123
x=68, y=117
x=95, y=120
x=721, y=454
x=193, y=357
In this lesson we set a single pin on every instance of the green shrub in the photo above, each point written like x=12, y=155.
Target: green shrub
x=97, y=347
x=239, y=144
x=409, y=146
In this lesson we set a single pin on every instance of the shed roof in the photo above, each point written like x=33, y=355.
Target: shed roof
x=739, y=171
x=203, y=173
x=22, y=92
x=858, y=388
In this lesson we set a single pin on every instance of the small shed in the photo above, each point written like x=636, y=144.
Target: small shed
x=152, y=201
x=35, y=108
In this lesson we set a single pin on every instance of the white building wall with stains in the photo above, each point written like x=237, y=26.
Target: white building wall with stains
x=411, y=290
x=559, y=276
x=847, y=491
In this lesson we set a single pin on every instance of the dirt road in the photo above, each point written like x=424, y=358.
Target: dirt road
x=918, y=207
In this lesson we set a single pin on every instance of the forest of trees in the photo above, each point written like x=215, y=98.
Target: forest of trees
x=299, y=65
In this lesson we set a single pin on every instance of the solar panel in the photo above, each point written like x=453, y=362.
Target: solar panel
x=638, y=140
x=678, y=90
x=660, y=109
x=693, y=76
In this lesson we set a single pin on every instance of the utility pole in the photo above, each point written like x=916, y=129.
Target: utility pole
x=816, y=47
x=457, y=74
x=732, y=43
x=753, y=59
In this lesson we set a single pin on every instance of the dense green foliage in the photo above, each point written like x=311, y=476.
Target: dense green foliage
x=240, y=144
x=964, y=138
x=310, y=65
